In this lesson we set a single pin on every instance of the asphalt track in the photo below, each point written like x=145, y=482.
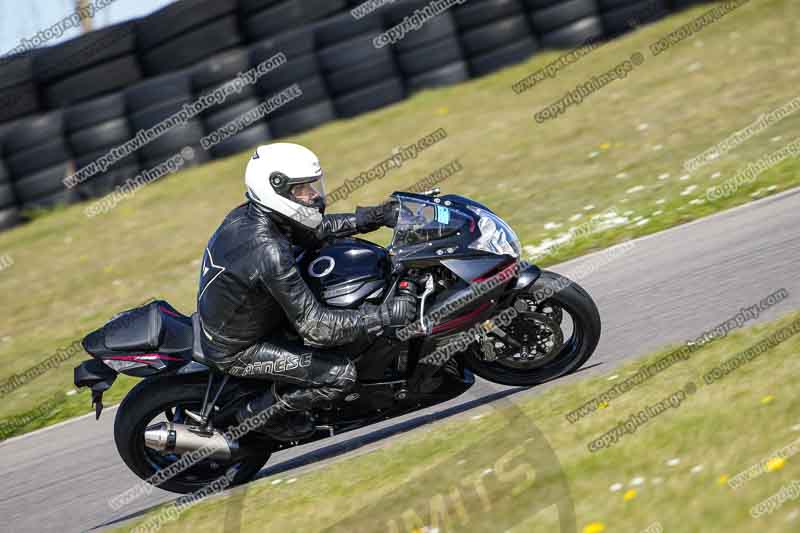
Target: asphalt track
x=668, y=288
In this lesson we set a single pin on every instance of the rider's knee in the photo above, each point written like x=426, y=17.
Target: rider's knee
x=346, y=379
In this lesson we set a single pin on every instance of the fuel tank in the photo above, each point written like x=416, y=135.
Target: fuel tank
x=347, y=273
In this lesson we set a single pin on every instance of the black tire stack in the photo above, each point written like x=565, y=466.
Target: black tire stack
x=565, y=23
x=430, y=56
x=88, y=66
x=183, y=33
x=38, y=157
x=314, y=107
x=620, y=16
x=9, y=213
x=262, y=19
x=219, y=72
x=360, y=76
x=93, y=128
x=153, y=101
x=19, y=94
x=494, y=34
x=683, y=4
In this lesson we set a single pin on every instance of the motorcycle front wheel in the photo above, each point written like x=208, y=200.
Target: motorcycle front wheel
x=554, y=333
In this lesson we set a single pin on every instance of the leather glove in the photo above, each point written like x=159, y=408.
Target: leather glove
x=399, y=311
x=371, y=218
x=391, y=211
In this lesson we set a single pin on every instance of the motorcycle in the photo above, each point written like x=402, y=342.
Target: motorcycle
x=483, y=311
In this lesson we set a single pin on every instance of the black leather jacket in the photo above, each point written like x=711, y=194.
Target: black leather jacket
x=250, y=286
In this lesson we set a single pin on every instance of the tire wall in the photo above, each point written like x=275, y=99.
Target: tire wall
x=64, y=106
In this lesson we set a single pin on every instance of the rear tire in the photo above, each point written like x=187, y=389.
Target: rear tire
x=145, y=401
x=573, y=300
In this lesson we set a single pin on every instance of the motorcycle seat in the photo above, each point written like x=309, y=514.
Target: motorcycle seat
x=145, y=330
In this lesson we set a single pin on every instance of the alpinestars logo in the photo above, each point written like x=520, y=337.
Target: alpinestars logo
x=209, y=273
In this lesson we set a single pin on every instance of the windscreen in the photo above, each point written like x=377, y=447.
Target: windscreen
x=420, y=222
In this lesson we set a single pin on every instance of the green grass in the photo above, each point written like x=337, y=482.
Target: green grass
x=71, y=273
x=718, y=431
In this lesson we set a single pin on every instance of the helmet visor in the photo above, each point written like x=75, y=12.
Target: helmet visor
x=310, y=193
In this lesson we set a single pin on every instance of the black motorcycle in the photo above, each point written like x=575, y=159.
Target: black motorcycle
x=482, y=311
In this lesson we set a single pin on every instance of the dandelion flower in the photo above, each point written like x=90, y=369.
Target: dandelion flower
x=767, y=399
x=605, y=146
x=629, y=495
x=776, y=463
x=722, y=479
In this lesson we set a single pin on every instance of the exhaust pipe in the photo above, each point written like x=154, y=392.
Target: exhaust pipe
x=180, y=439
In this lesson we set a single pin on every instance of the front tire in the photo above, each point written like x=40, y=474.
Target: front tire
x=145, y=402
x=564, y=295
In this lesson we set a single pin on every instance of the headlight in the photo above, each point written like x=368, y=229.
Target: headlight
x=496, y=236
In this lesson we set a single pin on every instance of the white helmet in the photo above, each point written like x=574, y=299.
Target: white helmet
x=287, y=178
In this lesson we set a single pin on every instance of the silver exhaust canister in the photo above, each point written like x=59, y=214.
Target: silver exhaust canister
x=180, y=439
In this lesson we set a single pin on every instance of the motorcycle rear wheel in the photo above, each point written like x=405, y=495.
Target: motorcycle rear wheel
x=145, y=402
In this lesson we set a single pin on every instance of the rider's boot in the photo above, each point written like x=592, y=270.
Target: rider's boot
x=281, y=420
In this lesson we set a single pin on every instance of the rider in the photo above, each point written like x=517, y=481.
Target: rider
x=250, y=286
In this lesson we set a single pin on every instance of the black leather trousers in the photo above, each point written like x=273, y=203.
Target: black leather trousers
x=320, y=375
